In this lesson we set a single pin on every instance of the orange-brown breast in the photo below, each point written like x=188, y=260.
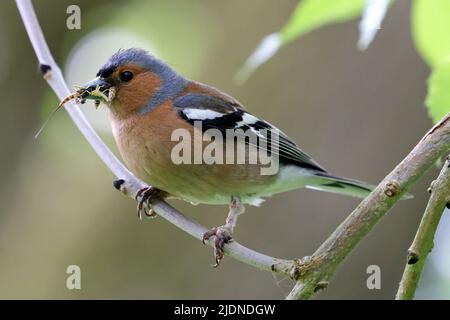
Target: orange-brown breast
x=146, y=147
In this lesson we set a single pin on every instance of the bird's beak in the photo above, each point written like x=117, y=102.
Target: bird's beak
x=97, y=89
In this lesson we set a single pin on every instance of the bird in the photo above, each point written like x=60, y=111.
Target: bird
x=148, y=102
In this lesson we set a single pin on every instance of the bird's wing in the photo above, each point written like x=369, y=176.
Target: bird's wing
x=219, y=112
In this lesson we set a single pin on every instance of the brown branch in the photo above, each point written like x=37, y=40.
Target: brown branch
x=314, y=272
x=423, y=241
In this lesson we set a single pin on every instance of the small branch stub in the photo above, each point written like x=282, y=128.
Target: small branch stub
x=119, y=184
x=321, y=285
x=392, y=189
x=430, y=188
x=300, y=266
x=45, y=70
x=413, y=257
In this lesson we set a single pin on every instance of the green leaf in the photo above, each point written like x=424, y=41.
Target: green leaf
x=307, y=16
x=431, y=29
x=312, y=14
x=438, y=99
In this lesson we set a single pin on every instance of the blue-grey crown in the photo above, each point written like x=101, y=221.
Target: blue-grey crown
x=172, y=83
x=136, y=56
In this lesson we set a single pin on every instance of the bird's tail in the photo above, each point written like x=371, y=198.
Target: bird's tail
x=344, y=186
x=348, y=187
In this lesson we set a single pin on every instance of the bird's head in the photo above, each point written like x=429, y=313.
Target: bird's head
x=134, y=81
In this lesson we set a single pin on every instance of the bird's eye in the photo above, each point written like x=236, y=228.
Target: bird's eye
x=126, y=76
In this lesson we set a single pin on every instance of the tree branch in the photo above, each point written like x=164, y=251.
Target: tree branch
x=423, y=241
x=52, y=74
x=314, y=272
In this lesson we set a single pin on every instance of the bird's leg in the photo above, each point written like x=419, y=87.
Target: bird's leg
x=146, y=196
x=223, y=234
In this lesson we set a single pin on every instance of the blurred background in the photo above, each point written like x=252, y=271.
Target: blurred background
x=358, y=114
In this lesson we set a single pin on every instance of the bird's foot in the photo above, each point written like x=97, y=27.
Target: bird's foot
x=222, y=235
x=145, y=197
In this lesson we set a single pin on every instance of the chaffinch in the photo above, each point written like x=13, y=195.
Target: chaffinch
x=148, y=103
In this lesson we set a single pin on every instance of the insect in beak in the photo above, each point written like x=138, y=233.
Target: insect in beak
x=98, y=90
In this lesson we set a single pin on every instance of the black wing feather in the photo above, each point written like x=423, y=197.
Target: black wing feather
x=232, y=115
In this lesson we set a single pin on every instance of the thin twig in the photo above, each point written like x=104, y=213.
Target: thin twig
x=314, y=273
x=423, y=241
x=52, y=74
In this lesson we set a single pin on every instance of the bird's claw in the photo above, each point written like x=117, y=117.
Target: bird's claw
x=144, y=198
x=222, y=235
